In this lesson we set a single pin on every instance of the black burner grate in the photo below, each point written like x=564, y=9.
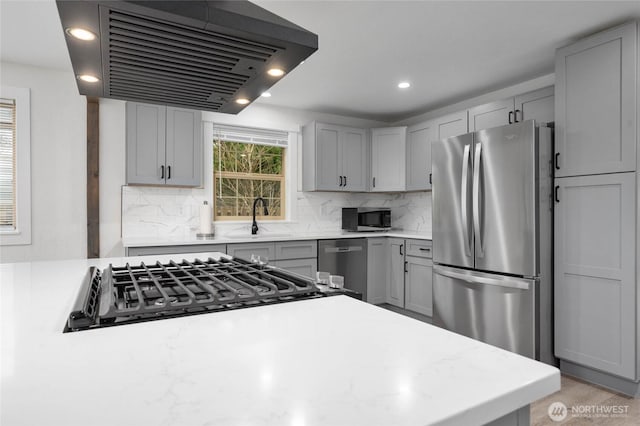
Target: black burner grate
x=213, y=284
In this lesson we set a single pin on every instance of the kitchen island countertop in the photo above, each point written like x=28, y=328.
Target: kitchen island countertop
x=329, y=361
x=158, y=241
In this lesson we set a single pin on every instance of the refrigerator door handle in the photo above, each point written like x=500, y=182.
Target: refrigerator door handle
x=476, y=199
x=507, y=282
x=463, y=198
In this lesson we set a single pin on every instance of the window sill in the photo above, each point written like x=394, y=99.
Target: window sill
x=14, y=238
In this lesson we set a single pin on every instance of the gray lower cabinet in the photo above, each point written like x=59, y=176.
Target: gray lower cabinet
x=195, y=248
x=306, y=267
x=595, y=282
x=378, y=264
x=296, y=256
x=164, y=145
x=395, y=286
x=418, y=285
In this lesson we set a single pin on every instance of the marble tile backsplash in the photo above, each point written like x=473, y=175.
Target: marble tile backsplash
x=174, y=212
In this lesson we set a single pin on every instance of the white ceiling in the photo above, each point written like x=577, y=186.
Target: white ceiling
x=449, y=51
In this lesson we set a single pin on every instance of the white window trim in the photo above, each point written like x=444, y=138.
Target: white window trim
x=22, y=234
x=291, y=182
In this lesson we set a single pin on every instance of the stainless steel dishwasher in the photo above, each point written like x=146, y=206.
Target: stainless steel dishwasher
x=346, y=257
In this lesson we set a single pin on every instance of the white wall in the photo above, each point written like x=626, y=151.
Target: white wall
x=58, y=164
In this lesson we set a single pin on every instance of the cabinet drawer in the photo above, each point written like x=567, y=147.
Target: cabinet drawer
x=306, y=267
x=419, y=248
x=296, y=250
x=245, y=250
x=196, y=248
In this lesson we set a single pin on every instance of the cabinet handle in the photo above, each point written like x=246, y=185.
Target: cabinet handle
x=557, y=161
x=161, y=172
x=168, y=172
x=340, y=184
x=401, y=253
x=345, y=181
x=430, y=179
x=510, y=117
x=515, y=115
x=374, y=182
x=405, y=267
x=556, y=193
x=424, y=249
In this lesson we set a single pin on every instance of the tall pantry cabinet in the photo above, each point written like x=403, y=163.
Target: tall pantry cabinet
x=596, y=208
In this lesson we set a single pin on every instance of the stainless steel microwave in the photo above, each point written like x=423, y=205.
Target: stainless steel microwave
x=363, y=219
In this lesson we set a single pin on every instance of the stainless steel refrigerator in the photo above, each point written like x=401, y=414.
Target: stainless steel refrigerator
x=492, y=233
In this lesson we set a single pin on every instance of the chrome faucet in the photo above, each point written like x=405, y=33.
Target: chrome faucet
x=254, y=226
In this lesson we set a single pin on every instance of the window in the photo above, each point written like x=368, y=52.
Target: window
x=248, y=163
x=15, y=173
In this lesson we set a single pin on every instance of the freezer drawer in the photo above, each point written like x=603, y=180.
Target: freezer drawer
x=495, y=309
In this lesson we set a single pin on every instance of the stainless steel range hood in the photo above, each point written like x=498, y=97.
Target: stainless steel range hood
x=203, y=55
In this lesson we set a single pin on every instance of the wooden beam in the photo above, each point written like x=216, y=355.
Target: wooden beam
x=93, y=178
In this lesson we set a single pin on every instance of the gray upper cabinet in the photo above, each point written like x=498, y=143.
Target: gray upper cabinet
x=184, y=147
x=537, y=105
x=164, y=145
x=451, y=125
x=595, y=261
x=355, y=163
x=595, y=103
x=146, y=143
x=334, y=158
x=493, y=114
x=419, y=138
x=388, y=158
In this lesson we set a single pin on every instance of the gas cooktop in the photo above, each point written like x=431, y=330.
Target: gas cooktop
x=143, y=292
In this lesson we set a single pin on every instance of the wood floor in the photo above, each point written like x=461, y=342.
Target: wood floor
x=573, y=394
x=584, y=396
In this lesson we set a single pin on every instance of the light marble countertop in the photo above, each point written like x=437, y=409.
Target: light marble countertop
x=330, y=361
x=241, y=238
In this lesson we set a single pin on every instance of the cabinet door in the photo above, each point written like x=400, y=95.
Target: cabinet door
x=246, y=250
x=306, y=267
x=388, y=158
x=145, y=144
x=419, y=157
x=184, y=147
x=395, y=287
x=418, y=285
x=378, y=263
x=595, y=255
x=451, y=125
x=296, y=249
x=596, y=103
x=493, y=114
x=195, y=248
x=355, y=159
x=328, y=157
x=537, y=105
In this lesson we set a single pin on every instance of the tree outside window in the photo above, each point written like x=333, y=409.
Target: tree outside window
x=244, y=171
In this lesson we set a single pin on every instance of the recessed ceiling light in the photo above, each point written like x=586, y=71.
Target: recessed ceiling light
x=89, y=78
x=275, y=72
x=242, y=101
x=266, y=94
x=81, y=34
x=404, y=85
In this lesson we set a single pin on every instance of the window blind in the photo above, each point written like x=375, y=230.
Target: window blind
x=7, y=163
x=251, y=135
